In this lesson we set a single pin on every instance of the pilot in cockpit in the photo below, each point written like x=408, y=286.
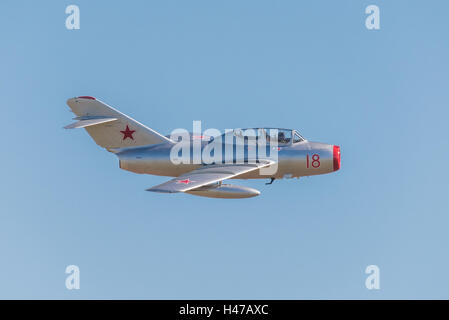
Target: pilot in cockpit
x=281, y=137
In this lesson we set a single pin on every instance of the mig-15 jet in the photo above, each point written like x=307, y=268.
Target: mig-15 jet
x=199, y=162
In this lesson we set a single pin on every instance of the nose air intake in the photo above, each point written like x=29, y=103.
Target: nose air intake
x=336, y=156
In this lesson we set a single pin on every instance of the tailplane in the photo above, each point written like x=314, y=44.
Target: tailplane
x=109, y=127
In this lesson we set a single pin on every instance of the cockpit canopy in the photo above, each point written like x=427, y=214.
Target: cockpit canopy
x=283, y=136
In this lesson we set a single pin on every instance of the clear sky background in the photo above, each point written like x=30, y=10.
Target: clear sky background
x=310, y=65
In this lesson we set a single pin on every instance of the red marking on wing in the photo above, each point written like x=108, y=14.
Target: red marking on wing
x=186, y=181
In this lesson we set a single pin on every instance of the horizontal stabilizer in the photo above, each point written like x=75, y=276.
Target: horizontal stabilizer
x=88, y=121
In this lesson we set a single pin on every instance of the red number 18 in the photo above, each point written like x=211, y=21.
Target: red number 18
x=315, y=161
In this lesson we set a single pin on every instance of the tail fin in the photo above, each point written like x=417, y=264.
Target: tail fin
x=110, y=128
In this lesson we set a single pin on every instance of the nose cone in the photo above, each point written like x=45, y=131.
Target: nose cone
x=336, y=156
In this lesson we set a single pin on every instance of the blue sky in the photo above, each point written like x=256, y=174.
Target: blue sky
x=310, y=65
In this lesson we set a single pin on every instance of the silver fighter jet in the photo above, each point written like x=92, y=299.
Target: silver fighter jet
x=256, y=153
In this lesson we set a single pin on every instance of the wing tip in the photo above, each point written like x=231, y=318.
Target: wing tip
x=160, y=190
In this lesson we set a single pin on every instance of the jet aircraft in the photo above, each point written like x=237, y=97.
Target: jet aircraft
x=284, y=153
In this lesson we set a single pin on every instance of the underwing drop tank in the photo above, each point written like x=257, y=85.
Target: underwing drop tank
x=225, y=191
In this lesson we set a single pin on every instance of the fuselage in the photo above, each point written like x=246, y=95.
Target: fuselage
x=299, y=159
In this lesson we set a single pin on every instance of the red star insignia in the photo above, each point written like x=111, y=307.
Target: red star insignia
x=186, y=181
x=127, y=133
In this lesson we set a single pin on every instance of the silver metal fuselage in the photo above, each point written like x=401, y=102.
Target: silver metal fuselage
x=295, y=160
